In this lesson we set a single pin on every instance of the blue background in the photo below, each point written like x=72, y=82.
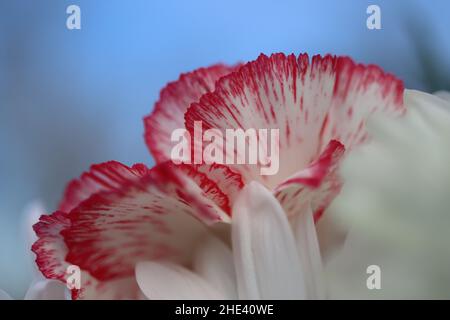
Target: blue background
x=72, y=98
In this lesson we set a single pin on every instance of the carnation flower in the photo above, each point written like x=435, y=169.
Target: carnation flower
x=164, y=232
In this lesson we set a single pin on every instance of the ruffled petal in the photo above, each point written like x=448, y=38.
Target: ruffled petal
x=138, y=214
x=107, y=176
x=316, y=186
x=310, y=103
x=152, y=219
x=218, y=183
x=169, y=281
x=265, y=253
x=51, y=250
x=175, y=98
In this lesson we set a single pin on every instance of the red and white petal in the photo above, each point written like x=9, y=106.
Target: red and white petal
x=175, y=98
x=51, y=251
x=157, y=215
x=310, y=103
x=105, y=176
x=112, y=175
x=316, y=186
x=160, y=216
x=218, y=182
x=50, y=248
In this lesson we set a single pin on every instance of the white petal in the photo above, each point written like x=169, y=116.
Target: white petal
x=4, y=295
x=443, y=95
x=213, y=261
x=265, y=254
x=47, y=290
x=395, y=203
x=427, y=104
x=168, y=281
x=309, y=251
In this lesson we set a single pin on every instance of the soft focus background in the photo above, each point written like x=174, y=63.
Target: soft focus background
x=70, y=98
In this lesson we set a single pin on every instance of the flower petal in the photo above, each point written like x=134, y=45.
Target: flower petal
x=213, y=261
x=134, y=214
x=310, y=103
x=107, y=176
x=155, y=217
x=429, y=106
x=315, y=186
x=309, y=252
x=265, y=253
x=218, y=182
x=51, y=251
x=50, y=248
x=395, y=203
x=407, y=156
x=164, y=280
x=443, y=95
x=47, y=290
x=175, y=98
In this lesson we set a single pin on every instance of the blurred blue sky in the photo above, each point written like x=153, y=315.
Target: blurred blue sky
x=72, y=98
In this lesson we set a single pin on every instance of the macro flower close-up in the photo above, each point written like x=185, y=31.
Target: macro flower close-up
x=305, y=160
x=131, y=229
